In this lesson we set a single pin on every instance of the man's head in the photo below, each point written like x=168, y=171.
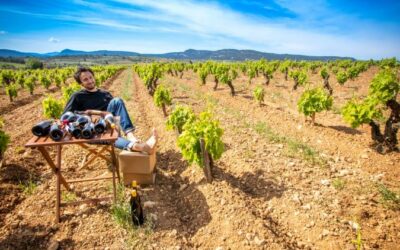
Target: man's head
x=85, y=77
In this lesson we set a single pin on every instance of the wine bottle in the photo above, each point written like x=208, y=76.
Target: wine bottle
x=82, y=120
x=56, y=132
x=74, y=129
x=87, y=131
x=100, y=126
x=42, y=128
x=109, y=118
x=68, y=117
x=136, y=209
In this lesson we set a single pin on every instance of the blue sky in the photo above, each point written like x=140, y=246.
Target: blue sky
x=361, y=29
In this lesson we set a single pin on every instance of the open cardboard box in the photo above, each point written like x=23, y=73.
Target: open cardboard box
x=137, y=166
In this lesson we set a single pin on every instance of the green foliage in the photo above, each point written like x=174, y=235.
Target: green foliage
x=58, y=81
x=204, y=127
x=69, y=90
x=251, y=72
x=284, y=66
x=179, y=117
x=120, y=210
x=4, y=139
x=358, y=241
x=352, y=72
x=28, y=187
x=341, y=77
x=389, y=198
x=6, y=77
x=68, y=196
x=299, y=76
x=258, y=94
x=45, y=81
x=20, y=80
x=33, y=63
x=338, y=183
x=384, y=86
x=313, y=101
x=324, y=73
x=11, y=91
x=52, y=108
x=357, y=112
x=388, y=63
x=150, y=74
x=162, y=96
x=203, y=73
x=30, y=84
x=345, y=63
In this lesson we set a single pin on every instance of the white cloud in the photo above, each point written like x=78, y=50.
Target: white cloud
x=54, y=40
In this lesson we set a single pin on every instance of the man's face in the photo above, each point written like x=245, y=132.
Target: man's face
x=88, y=81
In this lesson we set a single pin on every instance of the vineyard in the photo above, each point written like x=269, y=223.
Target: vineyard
x=303, y=155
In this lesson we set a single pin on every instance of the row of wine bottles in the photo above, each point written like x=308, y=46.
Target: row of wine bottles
x=78, y=126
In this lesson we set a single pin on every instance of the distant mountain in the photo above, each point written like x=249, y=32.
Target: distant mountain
x=190, y=54
x=68, y=52
x=14, y=53
x=238, y=55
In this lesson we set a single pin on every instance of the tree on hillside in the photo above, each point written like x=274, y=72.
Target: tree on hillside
x=33, y=63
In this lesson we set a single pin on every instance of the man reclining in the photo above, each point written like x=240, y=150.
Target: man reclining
x=94, y=101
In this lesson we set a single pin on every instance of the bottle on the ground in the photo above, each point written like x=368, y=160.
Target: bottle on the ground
x=136, y=206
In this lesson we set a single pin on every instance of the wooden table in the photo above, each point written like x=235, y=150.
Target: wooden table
x=43, y=143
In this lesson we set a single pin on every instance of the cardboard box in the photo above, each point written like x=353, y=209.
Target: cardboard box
x=137, y=166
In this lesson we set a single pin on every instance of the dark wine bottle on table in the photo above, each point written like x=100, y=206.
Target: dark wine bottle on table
x=42, y=128
x=88, y=131
x=100, y=126
x=68, y=117
x=56, y=132
x=109, y=118
x=74, y=129
x=82, y=120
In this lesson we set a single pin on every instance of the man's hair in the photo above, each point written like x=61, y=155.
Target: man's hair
x=78, y=72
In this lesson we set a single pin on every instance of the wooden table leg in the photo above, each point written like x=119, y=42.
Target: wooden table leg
x=116, y=163
x=113, y=173
x=58, y=188
x=53, y=166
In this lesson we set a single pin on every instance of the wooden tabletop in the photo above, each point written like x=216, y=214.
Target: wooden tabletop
x=108, y=136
